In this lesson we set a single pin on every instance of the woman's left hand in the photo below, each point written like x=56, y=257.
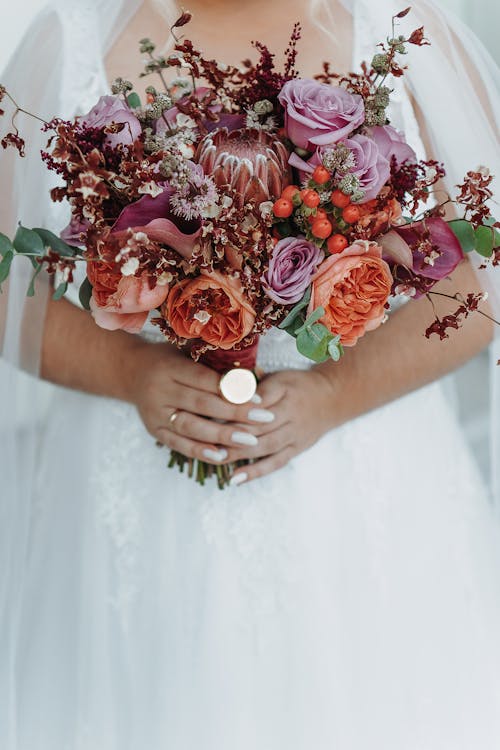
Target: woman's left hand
x=302, y=404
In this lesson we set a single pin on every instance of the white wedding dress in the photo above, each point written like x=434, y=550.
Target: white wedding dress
x=349, y=601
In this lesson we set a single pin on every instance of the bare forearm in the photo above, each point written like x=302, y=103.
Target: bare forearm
x=397, y=358
x=78, y=354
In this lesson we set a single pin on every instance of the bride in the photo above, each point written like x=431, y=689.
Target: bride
x=344, y=593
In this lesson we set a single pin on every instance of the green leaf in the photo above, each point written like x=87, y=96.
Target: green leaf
x=5, y=245
x=85, y=294
x=5, y=266
x=28, y=241
x=31, y=288
x=312, y=318
x=294, y=312
x=464, y=233
x=133, y=100
x=58, y=245
x=335, y=349
x=313, y=342
x=60, y=291
x=484, y=241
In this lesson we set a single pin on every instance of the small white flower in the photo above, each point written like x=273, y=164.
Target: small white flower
x=165, y=278
x=185, y=121
x=212, y=211
x=227, y=201
x=140, y=237
x=266, y=208
x=130, y=267
x=202, y=317
x=150, y=188
x=405, y=290
x=186, y=150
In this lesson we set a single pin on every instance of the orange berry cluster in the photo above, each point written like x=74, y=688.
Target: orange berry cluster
x=321, y=226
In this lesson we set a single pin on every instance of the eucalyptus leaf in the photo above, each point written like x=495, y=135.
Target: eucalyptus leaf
x=60, y=291
x=313, y=342
x=335, y=349
x=292, y=315
x=312, y=318
x=5, y=265
x=484, y=241
x=58, y=245
x=133, y=100
x=464, y=233
x=28, y=242
x=31, y=288
x=85, y=293
x=5, y=245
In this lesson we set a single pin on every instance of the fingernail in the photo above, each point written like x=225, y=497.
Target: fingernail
x=215, y=455
x=261, y=415
x=256, y=399
x=237, y=479
x=244, y=438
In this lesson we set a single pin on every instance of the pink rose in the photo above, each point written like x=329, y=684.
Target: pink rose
x=121, y=302
x=113, y=109
x=317, y=114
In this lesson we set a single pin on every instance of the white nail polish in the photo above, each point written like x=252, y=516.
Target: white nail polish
x=244, y=438
x=215, y=455
x=238, y=479
x=256, y=399
x=261, y=415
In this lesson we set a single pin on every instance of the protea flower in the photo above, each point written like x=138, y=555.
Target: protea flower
x=252, y=162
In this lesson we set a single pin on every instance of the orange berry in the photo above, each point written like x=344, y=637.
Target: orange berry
x=283, y=208
x=321, y=175
x=340, y=199
x=321, y=229
x=310, y=198
x=320, y=214
x=336, y=243
x=351, y=214
x=289, y=192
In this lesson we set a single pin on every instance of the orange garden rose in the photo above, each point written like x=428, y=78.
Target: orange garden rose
x=121, y=302
x=353, y=288
x=210, y=307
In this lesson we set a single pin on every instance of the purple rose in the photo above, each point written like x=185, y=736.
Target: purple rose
x=113, y=109
x=391, y=142
x=317, y=114
x=292, y=264
x=370, y=165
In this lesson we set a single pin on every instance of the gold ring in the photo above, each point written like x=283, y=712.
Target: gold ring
x=173, y=416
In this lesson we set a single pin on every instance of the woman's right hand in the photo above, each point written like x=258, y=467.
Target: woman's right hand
x=164, y=382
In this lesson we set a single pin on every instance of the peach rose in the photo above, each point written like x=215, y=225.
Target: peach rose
x=211, y=307
x=353, y=288
x=121, y=302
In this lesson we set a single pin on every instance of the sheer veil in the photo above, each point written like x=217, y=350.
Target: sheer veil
x=454, y=83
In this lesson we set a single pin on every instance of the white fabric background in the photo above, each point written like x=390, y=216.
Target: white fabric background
x=483, y=16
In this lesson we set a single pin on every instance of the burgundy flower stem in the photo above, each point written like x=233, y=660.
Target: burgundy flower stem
x=458, y=298
x=20, y=109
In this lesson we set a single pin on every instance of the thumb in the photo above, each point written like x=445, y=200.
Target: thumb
x=271, y=390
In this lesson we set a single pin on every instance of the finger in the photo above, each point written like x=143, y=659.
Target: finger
x=261, y=468
x=197, y=375
x=269, y=444
x=214, y=406
x=229, y=435
x=191, y=448
x=271, y=390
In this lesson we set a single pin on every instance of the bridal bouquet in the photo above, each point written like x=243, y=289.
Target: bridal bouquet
x=237, y=199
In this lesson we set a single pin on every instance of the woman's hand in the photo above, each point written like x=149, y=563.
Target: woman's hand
x=179, y=402
x=302, y=404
